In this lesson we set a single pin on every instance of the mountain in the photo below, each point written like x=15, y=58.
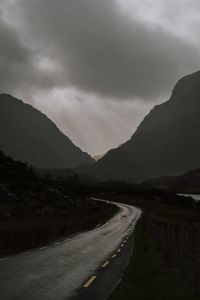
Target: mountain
x=188, y=183
x=29, y=136
x=167, y=142
x=98, y=156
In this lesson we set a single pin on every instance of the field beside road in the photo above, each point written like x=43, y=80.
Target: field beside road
x=35, y=210
x=151, y=276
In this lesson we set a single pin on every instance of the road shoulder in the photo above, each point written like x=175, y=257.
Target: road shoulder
x=149, y=276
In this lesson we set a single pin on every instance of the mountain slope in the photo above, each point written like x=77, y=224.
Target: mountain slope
x=29, y=136
x=167, y=142
x=188, y=183
x=98, y=157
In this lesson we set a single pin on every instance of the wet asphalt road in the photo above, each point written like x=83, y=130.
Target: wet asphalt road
x=86, y=266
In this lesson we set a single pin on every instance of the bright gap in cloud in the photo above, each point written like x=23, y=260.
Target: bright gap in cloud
x=94, y=125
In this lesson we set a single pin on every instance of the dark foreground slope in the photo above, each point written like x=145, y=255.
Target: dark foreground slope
x=29, y=136
x=34, y=211
x=166, y=142
x=165, y=262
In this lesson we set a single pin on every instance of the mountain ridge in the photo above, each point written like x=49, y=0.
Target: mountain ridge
x=188, y=183
x=166, y=142
x=30, y=136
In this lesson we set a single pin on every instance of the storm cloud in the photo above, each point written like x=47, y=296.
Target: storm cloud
x=20, y=68
x=98, y=49
x=13, y=56
x=104, y=63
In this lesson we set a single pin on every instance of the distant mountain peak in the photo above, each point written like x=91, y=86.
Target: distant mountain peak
x=30, y=136
x=185, y=86
x=165, y=143
x=98, y=156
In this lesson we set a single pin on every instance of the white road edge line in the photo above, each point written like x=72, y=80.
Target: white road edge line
x=58, y=243
x=25, y=253
x=42, y=248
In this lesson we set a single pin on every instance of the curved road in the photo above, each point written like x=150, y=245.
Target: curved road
x=69, y=268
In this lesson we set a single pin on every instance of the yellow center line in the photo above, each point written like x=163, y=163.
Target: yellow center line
x=114, y=255
x=90, y=281
x=118, y=250
x=105, y=264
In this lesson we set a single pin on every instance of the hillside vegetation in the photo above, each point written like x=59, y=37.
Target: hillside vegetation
x=35, y=210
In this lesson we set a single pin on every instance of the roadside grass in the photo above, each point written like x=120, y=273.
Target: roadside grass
x=34, y=231
x=149, y=276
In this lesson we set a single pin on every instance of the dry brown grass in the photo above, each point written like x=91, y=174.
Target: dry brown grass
x=29, y=232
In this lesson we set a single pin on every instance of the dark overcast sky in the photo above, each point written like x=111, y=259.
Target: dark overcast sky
x=96, y=67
